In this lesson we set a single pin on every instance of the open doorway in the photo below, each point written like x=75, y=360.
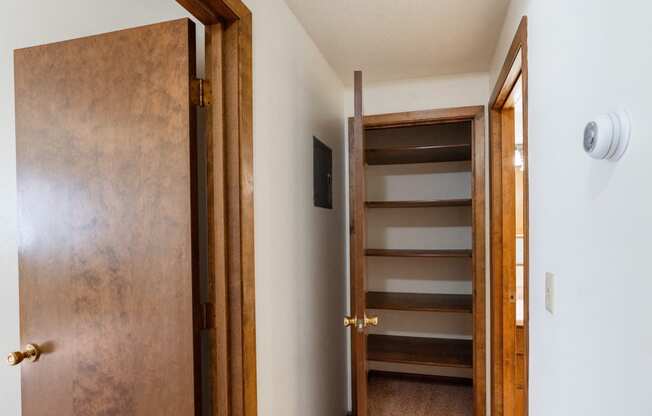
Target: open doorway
x=509, y=230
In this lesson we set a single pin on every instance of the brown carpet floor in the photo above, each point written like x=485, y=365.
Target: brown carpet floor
x=400, y=396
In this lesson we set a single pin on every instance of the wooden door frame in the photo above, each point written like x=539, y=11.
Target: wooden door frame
x=230, y=203
x=475, y=114
x=503, y=368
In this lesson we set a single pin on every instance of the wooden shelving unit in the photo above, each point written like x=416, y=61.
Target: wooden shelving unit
x=452, y=141
x=377, y=252
x=440, y=203
x=437, y=352
x=420, y=302
x=418, y=154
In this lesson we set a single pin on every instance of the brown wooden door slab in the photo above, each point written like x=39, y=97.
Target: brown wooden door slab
x=105, y=161
x=357, y=198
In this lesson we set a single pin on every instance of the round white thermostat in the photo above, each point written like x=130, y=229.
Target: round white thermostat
x=607, y=137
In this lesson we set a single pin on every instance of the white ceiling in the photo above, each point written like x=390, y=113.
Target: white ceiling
x=400, y=39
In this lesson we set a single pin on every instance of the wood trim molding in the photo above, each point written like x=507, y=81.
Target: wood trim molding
x=503, y=338
x=229, y=153
x=479, y=270
x=415, y=118
x=357, y=251
x=210, y=12
x=509, y=72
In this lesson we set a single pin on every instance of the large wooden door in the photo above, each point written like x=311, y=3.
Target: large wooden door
x=107, y=252
x=357, y=321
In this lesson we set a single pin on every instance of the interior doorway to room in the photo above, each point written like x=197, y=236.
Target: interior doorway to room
x=509, y=231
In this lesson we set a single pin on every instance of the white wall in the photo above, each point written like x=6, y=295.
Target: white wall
x=590, y=221
x=299, y=249
x=422, y=93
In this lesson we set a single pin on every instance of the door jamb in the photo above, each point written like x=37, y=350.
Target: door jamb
x=229, y=154
x=503, y=389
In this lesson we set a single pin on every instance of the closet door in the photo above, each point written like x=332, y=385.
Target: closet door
x=357, y=321
x=107, y=252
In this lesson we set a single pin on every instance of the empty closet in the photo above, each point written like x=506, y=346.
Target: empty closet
x=417, y=274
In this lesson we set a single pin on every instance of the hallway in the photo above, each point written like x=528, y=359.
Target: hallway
x=194, y=194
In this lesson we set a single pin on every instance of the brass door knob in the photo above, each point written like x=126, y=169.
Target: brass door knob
x=370, y=321
x=350, y=321
x=31, y=353
x=362, y=323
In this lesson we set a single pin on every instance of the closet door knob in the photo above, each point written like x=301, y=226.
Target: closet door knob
x=370, y=321
x=31, y=353
x=350, y=321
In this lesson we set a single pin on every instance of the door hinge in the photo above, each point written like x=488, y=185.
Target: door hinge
x=207, y=316
x=200, y=92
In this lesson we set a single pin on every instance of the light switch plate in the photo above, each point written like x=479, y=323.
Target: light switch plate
x=550, y=292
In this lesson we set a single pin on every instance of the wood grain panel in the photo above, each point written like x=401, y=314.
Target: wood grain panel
x=358, y=264
x=239, y=232
x=479, y=266
x=508, y=272
x=220, y=380
x=419, y=204
x=108, y=240
x=423, y=117
x=437, y=352
x=429, y=378
x=211, y=12
x=418, y=154
x=420, y=302
x=420, y=135
x=375, y=252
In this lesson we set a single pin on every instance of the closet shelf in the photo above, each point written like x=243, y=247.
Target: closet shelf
x=423, y=378
x=418, y=154
x=375, y=252
x=420, y=302
x=439, y=352
x=420, y=204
